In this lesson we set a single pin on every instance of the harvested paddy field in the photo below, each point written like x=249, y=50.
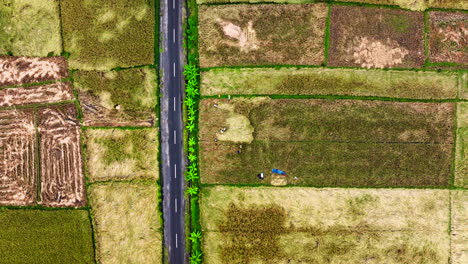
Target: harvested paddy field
x=459, y=226
x=103, y=33
x=261, y=34
x=25, y=70
x=18, y=171
x=375, y=37
x=62, y=181
x=127, y=223
x=416, y=4
x=326, y=142
x=448, y=39
x=40, y=94
x=30, y=27
x=116, y=154
x=322, y=81
x=117, y=98
x=306, y=225
x=46, y=236
x=461, y=158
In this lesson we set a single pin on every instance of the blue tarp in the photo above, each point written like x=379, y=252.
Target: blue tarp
x=278, y=171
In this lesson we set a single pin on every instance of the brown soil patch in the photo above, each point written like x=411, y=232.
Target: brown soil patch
x=61, y=168
x=17, y=158
x=374, y=37
x=23, y=70
x=448, y=37
x=49, y=93
x=262, y=34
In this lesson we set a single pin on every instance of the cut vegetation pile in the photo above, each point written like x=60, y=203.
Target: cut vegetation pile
x=122, y=154
x=45, y=236
x=326, y=143
x=261, y=34
x=374, y=37
x=38, y=94
x=105, y=34
x=300, y=225
x=322, y=81
x=30, y=28
x=128, y=228
x=117, y=98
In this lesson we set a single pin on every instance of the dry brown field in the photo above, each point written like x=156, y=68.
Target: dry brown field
x=62, y=181
x=448, y=37
x=373, y=37
x=261, y=34
x=18, y=168
x=24, y=70
x=38, y=94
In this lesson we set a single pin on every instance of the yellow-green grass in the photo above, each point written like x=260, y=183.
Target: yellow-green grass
x=375, y=37
x=459, y=232
x=255, y=1
x=461, y=159
x=261, y=34
x=30, y=28
x=126, y=221
x=116, y=154
x=45, y=236
x=105, y=34
x=326, y=142
x=308, y=225
x=322, y=81
x=113, y=98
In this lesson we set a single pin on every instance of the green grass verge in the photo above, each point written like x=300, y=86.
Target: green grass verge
x=30, y=28
x=104, y=34
x=322, y=81
x=39, y=236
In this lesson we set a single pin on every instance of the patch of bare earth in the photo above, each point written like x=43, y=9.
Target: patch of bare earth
x=448, y=37
x=17, y=158
x=61, y=168
x=48, y=93
x=24, y=70
x=373, y=37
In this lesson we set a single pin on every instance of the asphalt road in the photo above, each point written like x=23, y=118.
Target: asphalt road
x=172, y=155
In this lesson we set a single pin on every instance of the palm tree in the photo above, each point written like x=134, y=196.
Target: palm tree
x=192, y=190
x=192, y=141
x=195, y=258
x=190, y=126
x=192, y=157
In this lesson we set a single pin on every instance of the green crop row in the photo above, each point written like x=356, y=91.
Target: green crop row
x=192, y=90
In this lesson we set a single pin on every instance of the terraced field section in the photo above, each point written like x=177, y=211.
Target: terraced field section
x=262, y=34
x=117, y=98
x=326, y=142
x=114, y=154
x=325, y=81
x=107, y=34
x=127, y=223
x=308, y=225
x=46, y=236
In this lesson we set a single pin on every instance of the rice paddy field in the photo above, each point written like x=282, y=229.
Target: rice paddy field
x=308, y=225
x=370, y=136
x=127, y=223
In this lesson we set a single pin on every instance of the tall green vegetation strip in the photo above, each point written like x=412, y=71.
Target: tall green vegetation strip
x=45, y=236
x=322, y=81
x=105, y=34
x=192, y=90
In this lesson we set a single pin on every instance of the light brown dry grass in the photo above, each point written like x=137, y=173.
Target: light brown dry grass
x=461, y=158
x=338, y=225
x=126, y=222
x=261, y=34
x=459, y=232
x=122, y=154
